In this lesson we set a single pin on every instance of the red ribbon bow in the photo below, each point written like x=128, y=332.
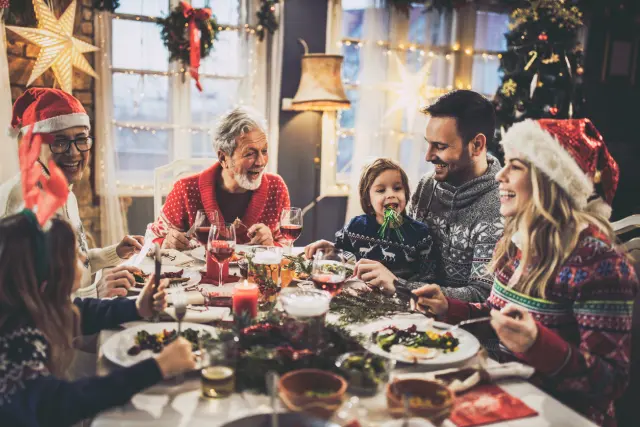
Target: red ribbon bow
x=195, y=15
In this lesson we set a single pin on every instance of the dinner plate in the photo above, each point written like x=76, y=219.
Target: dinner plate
x=291, y=419
x=193, y=275
x=116, y=347
x=468, y=347
x=199, y=253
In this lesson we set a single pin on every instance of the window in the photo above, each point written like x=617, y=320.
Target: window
x=384, y=52
x=158, y=115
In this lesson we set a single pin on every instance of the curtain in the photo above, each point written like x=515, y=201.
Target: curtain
x=8, y=145
x=112, y=222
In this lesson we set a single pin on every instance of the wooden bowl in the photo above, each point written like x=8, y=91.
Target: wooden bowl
x=297, y=388
x=427, y=399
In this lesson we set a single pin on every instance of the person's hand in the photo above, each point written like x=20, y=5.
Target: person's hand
x=356, y=288
x=375, y=275
x=152, y=300
x=176, y=239
x=312, y=248
x=517, y=334
x=129, y=246
x=176, y=358
x=116, y=282
x=431, y=298
x=260, y=234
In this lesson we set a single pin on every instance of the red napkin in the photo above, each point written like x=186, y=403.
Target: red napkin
x=232, y=278
x=488, y=404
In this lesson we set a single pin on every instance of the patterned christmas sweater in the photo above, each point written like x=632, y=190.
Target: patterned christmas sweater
x=31, y=397
x=466, y=225
x=582, y=351
x=199, y=192
x=407, y=258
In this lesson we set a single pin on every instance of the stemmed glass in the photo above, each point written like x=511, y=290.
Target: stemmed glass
x=222, y=244
x=329, y=271
x=291, y=224
x=202, y=225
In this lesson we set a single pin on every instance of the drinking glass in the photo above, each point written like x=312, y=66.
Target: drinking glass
x=202, y=225
x=329, y=272
x=218, y=368
x=222, y=244
x=263, y=269
x=291, y=225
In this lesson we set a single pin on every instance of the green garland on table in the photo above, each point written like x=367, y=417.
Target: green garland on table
x=365, y=307
x=175, y=35
x=271, y=344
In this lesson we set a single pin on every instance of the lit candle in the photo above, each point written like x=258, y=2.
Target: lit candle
x=245, y=299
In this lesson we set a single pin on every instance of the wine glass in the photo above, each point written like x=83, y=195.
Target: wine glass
x=291, y=224
x=329, y=271
x=222, y=244
x=202, y=224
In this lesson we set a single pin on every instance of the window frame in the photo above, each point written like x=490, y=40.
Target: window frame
x=462, y=52
x=138, y=183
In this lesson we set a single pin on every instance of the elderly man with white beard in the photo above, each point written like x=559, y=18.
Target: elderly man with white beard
x=236, y=187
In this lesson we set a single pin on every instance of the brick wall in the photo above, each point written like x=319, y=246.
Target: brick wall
x=21, y=55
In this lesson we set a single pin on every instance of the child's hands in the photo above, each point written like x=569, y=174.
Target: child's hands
x=311, y=248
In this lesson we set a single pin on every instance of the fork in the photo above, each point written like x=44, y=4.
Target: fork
x=179, y=299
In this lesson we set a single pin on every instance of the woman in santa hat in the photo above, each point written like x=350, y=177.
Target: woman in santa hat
x=563, y=292
x=55, y=112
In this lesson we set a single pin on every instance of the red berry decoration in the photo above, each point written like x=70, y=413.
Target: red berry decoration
x=553, y=111
x=543, y=37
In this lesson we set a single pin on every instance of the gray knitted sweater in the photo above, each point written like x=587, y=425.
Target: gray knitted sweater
x=466, y=225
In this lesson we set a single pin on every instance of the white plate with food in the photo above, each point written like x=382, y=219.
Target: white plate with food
x=187, y=277
x=418, y=341
x=133, y=345
x=200, y=254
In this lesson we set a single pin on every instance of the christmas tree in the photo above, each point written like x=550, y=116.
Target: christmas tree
x=543, y=65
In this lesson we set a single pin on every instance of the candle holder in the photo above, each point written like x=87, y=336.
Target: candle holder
x=308, y=309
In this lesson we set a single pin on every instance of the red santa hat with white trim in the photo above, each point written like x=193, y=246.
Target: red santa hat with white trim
x=573, y=154
x=47, y=110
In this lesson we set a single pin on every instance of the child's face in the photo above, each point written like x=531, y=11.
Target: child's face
x=387, y=189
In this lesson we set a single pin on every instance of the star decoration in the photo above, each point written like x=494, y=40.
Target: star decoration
x=552, y=59
x=509, y=88
x=412, y=90
x=59, y=50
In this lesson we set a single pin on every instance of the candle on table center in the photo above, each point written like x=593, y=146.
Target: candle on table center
x=245, y=299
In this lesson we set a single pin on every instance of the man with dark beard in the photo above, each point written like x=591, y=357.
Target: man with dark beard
x=459, y=201
x=236, y=187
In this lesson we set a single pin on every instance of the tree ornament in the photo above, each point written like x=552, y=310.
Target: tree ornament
x=553, y=110
x=59, y=50
x=267, y=21
x=579, y=71
x=189, y=34
x=509, y=88
x=552, y=59
x=543, y=37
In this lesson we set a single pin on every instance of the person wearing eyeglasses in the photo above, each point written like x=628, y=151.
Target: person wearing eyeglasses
x=63, y=118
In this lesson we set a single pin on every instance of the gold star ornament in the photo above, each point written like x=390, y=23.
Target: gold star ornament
x=59, y=50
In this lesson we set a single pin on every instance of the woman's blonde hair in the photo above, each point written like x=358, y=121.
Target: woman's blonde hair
x=24, y=302
x=550, y=225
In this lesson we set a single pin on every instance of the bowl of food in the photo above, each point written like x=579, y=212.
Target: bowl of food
x=313, y=391
x=366, y=372
x=427, y=399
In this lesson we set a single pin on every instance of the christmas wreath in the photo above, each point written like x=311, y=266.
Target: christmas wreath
x=267, y=18
x=189, y=34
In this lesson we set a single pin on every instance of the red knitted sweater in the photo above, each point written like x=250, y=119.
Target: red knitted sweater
x=199, y=192
x=582, y=351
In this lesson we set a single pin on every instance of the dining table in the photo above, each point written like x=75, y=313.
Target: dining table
x=178, y=402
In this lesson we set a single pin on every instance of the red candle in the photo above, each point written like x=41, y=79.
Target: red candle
x=245, y=299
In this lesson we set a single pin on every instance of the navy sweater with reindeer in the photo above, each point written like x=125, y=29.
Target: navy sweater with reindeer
x=406, y=258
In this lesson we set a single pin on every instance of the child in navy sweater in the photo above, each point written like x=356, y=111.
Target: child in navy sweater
x=385, y=233
x=38, y=273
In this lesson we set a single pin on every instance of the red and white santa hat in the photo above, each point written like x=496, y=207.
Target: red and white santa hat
x=573, y=154
x=47, y=110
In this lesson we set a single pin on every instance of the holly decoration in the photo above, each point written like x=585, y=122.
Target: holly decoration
x=392, y=220
x=176, y=38
x=267, y=18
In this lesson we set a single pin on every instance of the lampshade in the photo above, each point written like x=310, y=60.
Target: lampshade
x=320, y=86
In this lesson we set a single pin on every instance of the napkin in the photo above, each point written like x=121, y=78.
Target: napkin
x=201, y=314
x=488, y=404
x=174, y=257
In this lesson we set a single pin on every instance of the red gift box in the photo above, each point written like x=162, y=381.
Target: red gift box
x=488, y=404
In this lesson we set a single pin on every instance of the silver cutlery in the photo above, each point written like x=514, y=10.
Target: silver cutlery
x=272, y=387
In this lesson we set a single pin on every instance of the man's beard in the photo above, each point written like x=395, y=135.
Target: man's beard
x=246, y=183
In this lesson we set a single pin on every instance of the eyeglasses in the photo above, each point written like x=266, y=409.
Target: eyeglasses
x=82, y=143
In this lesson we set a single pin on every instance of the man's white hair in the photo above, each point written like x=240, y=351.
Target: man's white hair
x=236, y=123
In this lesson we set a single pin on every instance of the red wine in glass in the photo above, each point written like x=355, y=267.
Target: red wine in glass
x=291, y=232
x=202, y=234
x=221, y=251
x=331, y=283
